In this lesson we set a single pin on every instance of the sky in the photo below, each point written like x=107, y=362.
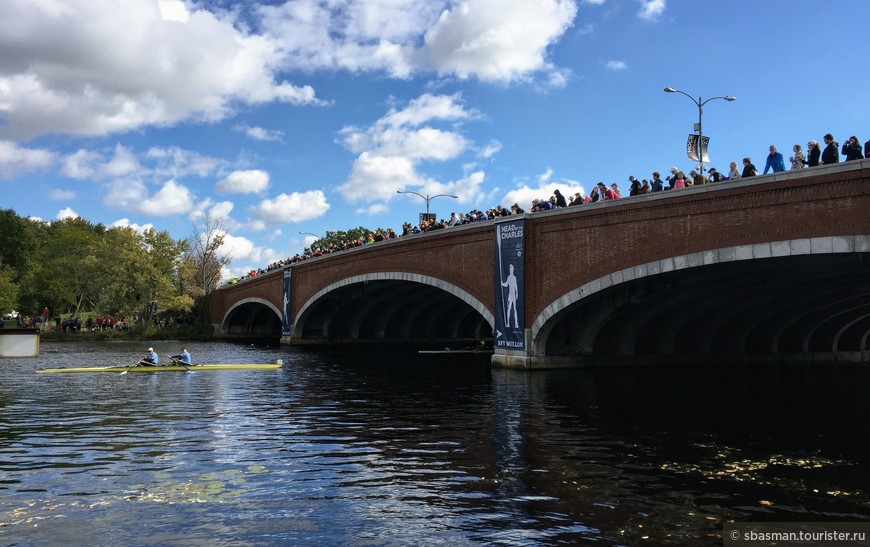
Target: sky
x=285, y=119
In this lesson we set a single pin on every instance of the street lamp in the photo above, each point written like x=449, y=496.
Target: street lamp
x=700, y=105
x=427, y=197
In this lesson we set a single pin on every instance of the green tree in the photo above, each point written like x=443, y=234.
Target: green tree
x=17, y=241
x=337, y=238
x=67, y=270
x=8, y=289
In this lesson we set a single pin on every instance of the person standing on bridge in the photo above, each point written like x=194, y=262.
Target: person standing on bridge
x=852, y=149
x=749, y=170
x=774, y=161
x=799, y=160
x=830, y=154
x=814, y=153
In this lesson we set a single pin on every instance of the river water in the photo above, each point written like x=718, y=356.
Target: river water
x=355, y=448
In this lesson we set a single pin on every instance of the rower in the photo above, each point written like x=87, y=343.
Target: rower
x=184, y=356
x=151, y=358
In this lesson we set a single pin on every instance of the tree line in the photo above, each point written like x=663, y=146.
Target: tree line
x=73, y=266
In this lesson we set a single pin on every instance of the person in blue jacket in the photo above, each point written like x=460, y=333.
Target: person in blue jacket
x=151, y=358
x=774, y=161
x=184, y=356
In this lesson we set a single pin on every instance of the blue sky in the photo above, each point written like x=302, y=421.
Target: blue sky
x=307, y=116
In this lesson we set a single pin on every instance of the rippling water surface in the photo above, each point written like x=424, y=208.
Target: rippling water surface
x=347, y=448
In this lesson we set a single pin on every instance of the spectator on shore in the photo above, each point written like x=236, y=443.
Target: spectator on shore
x=576, y=200
x=749, y=170
x=814, y=153
x=831, y=153
x=516, y=209
x=774, y=161
x=733, y=172
x=852, y=149
x=867, y=149
x=679, y=180
x=798, y=160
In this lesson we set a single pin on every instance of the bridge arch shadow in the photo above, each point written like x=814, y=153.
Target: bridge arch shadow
x=252, y=318
x=392, y=307
x=805, y=298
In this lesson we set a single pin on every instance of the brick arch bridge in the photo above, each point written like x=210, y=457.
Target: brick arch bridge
x=771, y=268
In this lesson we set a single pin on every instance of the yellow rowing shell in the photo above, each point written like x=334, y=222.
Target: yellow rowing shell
x=162, y=368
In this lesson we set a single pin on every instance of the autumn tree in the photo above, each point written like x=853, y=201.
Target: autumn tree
x=204, y=262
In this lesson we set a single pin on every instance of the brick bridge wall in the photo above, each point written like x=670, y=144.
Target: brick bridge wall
x=569, y=248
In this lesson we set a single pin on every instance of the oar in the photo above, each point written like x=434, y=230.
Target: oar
x=181, y=363
x=126, y=371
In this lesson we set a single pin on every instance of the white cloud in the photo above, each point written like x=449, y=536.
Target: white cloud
x=497, y=40
x=175, y=162
x=252, y=181
x=391, y=148
x=132, y=195
x=374, y=209
x=494, y=40
x=162, y=62
x=616, y=65
x=260, y=133
x=90, y=68
x=93, y=165
x=66, y=213
x=374, y=177
x=651, y=9
x=295, y=207
x=60, y=195
x=490, y=149
x=125, y=223
x=242, y=249
x=523, y=195
x=15, y=159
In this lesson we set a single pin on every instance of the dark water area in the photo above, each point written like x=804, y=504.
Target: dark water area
x=394, y=448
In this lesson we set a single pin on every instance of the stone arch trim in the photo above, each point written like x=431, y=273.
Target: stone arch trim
x=398, y=276
x=774, y=249
x=252, y=300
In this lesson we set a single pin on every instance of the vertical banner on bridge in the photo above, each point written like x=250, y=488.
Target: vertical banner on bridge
x=285, y=322
x=510, y=288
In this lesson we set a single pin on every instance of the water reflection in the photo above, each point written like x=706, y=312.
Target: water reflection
x=392, y=449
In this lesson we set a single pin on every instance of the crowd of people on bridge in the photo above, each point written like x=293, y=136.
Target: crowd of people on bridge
x=814, y=156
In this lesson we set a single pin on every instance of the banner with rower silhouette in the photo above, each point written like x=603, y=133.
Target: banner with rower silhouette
x=510, y=288
x=286, y=321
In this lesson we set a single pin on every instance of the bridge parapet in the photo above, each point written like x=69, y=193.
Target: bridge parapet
x=602, y=268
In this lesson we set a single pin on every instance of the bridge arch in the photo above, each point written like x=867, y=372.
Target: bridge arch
x=392, y=306
x=790, y=296
x=252, y=317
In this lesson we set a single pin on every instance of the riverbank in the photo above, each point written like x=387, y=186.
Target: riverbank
x=181, y=332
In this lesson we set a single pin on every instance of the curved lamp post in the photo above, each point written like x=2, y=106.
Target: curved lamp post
x=700, y=104
x=427, y=197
